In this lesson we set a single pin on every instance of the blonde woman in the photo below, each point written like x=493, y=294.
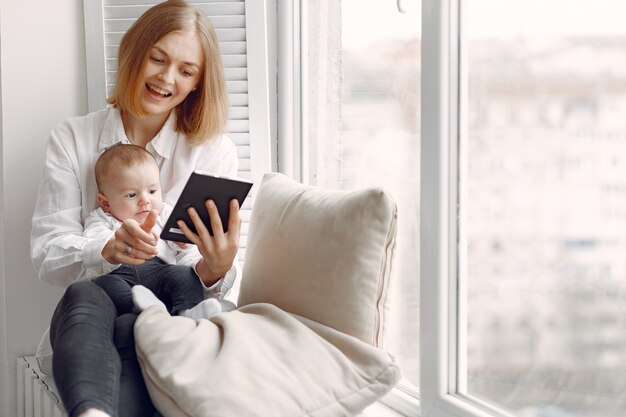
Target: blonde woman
x=170, y=98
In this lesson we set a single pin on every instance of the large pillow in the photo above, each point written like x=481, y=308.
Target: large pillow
x=257, y=361
x=321, y=254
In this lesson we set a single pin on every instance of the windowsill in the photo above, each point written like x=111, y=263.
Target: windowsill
x=397, y=403
x=380, y=410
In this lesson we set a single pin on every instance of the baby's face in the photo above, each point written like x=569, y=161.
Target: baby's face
x=134, y=191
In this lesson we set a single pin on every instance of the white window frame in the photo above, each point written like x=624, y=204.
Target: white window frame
x=443, y=323
x=290, y=85
x=442, y=87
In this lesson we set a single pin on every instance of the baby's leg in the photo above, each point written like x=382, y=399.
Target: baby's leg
x=117, y=285
x=180, y=284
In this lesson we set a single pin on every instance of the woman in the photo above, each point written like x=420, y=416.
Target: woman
x=170, y=98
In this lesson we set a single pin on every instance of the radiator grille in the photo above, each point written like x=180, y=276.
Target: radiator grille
x=36, y=392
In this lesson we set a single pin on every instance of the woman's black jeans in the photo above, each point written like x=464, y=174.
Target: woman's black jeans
x=94, y=362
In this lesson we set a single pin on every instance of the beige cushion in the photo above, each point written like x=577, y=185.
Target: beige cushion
x=257, y=361
x=324, y=255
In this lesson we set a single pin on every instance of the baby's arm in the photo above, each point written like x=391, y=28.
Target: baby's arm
x=100, y=226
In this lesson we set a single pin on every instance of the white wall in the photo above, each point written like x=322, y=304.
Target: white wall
x=42, y=81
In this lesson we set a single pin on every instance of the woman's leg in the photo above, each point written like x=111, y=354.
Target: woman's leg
x=134, y=400
x=86, y=364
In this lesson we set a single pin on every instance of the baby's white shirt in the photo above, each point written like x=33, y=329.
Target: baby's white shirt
x=103, y=225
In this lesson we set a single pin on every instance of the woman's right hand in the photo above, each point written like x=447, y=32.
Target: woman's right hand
x=133, y=243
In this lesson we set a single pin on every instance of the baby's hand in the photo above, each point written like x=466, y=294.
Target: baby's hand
x=182, y=245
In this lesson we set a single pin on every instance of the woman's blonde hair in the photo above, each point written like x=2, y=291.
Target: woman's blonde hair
x=204, y=112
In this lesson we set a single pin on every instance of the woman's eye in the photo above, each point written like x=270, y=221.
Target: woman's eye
x=186, y=73
x=156, y=60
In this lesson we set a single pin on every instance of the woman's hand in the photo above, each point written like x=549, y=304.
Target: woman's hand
x=218, y=251
x=132, y=243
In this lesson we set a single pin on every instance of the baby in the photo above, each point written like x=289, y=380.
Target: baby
x=129, y=188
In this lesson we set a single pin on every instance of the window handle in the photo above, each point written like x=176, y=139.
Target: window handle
x=401, y=8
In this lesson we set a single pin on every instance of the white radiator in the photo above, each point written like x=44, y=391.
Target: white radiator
x=36, y=395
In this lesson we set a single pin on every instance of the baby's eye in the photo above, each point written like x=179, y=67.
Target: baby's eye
x=153, y=191
x=131, y=195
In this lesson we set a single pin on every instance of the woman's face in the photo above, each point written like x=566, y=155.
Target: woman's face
x=173, y=70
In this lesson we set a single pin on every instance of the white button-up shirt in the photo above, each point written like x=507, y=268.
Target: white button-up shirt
x=59, y=249
x=67, y=194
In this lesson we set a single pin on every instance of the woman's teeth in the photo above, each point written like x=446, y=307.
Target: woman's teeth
x=159, y=91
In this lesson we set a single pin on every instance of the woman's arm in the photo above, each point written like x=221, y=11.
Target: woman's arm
x=59, y=251
x=218, y=251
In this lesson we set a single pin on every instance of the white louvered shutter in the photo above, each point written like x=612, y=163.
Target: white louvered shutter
x=241, y=30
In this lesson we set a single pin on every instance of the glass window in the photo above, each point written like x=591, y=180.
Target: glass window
x=544, y=207
x=361, y=128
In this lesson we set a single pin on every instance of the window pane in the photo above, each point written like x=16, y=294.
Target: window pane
x=361, y=121
x=545, y=204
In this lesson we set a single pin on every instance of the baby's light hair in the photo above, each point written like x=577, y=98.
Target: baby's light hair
x=120, y=155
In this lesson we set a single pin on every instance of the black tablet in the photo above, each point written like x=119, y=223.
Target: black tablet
x=201, y=187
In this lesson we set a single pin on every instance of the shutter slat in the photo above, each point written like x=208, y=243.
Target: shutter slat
x=237, y=87
x=223, y=35
x=234, y=61
x=152, y=2
x=238, y=113
x=218, y=22
x=245, y=213
x=244, y=164
x=226, y=48
x=232, y=74
x=238, y=99
x=240, y=138
x=243, y=151
x=210, y=9
x=238, y=126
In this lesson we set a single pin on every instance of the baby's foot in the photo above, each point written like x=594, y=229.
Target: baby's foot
x=227, y=306
x=143, y=298
x=210, y=307
x=203, y=310
x=92, y=412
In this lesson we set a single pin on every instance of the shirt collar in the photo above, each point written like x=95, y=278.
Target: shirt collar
x=165, y=141
x=113, y=130
x=113, y=133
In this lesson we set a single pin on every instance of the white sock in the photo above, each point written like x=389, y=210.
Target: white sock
x=227, y=306
x=144, y=298
x=92, y=412
x=203, y=310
